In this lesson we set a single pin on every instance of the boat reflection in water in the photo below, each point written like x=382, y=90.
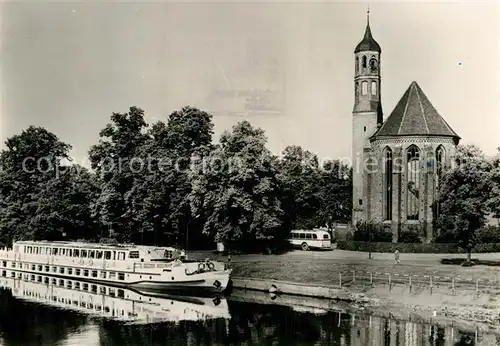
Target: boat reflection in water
x=120, y=304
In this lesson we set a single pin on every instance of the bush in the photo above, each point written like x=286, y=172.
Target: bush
x=378, y=231
x=446, y=236
x=489, y=234
x=414, y=247
x=409, y=237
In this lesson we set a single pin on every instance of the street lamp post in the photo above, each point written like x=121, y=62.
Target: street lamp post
x=369, y=242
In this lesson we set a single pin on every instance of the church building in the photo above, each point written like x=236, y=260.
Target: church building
x=397, y=163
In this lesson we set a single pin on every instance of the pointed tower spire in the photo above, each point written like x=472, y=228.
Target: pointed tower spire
x=368, y=43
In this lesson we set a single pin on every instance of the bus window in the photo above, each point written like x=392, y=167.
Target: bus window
x=76, y=253
x=121, y=256
x=98, y=254
x=91, y=253
x=83, y=254
x=308, y=236
x=326, y=236
x=107, y=255
x=133, y=254
x=302, y=236
x=315, y=236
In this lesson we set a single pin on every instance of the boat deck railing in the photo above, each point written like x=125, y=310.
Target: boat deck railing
x=91, y=263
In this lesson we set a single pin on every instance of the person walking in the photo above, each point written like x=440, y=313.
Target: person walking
x=396, y=256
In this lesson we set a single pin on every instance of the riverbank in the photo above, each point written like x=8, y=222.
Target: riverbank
x=465, y=309
x=363, y=308
x=420, y=285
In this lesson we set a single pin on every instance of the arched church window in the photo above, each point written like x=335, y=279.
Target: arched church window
x=364, y=61
x=374, y=88
x=388, y=185
x=412, y=183
x=440, y=154
x=364, y=88
x=439, y=163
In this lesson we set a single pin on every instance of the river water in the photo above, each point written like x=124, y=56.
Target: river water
x=41, y=310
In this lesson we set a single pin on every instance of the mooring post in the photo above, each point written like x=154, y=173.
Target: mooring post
x=340, y=279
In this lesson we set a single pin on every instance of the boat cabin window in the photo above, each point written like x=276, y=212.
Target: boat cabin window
x=121, y=256
x=83, y=253
x=107, y=255
x=98, y=254
x=76, y=253
x=91, y=254
x=133, y=254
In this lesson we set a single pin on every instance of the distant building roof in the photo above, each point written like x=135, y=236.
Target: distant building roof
x=414, y=115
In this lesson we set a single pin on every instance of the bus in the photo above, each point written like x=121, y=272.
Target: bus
x=310, y=239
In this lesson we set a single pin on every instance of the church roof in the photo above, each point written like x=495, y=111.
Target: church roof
x=368, y=43
x=414, y=115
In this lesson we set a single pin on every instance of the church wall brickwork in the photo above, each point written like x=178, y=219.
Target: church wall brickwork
x=427, y=174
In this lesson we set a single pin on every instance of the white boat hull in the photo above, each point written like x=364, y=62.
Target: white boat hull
x=182, y=277
x=213, y=282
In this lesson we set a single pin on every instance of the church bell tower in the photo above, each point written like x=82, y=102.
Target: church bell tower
x=366, y=115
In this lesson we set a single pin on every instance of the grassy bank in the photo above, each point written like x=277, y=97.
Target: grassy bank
x=445, y=292
x=334, y=272
x=470, y=301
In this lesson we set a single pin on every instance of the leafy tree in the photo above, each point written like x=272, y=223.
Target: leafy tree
x=114, y=159
x=463, y=195
x=335, y=186
x=237, y=191
x=494, y=202
x=64, y=206
x=159, y=196
x=31, y=162
x=301, y=187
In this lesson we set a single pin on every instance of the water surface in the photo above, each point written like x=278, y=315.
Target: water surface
x=42, y=310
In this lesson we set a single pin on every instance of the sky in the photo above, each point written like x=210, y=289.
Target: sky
x=68, y=66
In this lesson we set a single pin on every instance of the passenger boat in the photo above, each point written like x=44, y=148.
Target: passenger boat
x=121, y=304
x=140, y=267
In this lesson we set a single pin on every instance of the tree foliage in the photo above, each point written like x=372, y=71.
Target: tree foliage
x=159, y=198
x=114, y=160
x=39, y=197
x=236, y=189
x=494, y=202
x=464, y=193
x=167, y=184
